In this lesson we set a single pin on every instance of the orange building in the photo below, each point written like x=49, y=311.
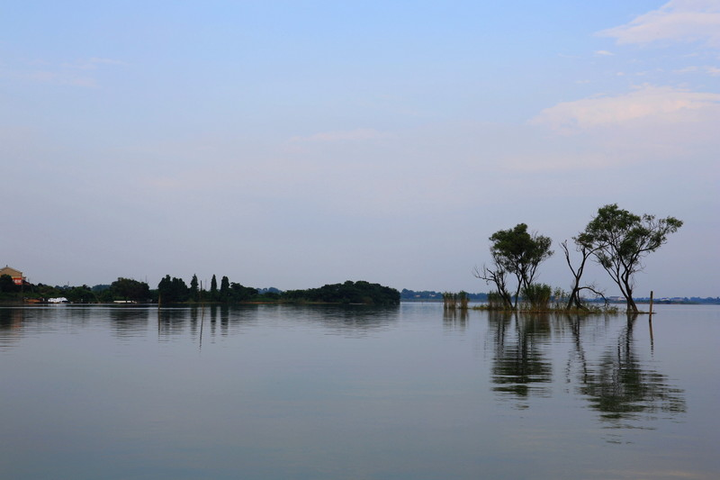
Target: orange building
x=16, y=275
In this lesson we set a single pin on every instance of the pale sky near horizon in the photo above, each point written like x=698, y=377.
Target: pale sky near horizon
x=298, y=143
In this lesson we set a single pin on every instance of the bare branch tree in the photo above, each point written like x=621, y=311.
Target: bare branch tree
x=586, y=251
x=497, y=277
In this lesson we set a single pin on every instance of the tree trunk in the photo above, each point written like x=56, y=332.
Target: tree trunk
x=627, y=291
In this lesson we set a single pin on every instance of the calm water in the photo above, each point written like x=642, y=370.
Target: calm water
x=278, y=392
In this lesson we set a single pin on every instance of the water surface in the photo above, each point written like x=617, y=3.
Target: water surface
x=277, y=392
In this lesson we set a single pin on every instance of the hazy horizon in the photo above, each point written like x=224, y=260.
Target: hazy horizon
x=296, y=144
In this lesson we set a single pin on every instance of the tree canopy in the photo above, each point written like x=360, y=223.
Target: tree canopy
x=360, y=292
x=620, y=240
x=517, y=252
x=173, y=290
x=129, y=289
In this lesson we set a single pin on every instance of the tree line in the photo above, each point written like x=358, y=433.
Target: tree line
x=173, y=290
x=615, y=239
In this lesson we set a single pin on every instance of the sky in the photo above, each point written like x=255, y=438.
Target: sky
x=299, y=143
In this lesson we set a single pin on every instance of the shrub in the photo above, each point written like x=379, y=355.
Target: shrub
x=537, y=296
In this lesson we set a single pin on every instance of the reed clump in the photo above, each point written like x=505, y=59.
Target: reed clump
x=456, y=301
x=541, y=298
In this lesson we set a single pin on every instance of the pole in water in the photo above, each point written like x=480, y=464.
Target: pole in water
x=652, y=340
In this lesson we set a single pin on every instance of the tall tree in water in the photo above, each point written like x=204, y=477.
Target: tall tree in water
x=518, y=252
x=586, y=250
x=621, y=240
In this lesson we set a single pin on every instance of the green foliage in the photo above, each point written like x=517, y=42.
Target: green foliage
x=620, y=240
x=83, y=294
x=224, y=289
x=129, y=289
x=7, y=285
x=495, y=301
x=537, y=296
x=240, y=293
x=213, y=289
x=347, y=293
x=519, y=253
x=194, y=290
x=173, y=290
x=105, y=296
x=452, y=301
x=559, y=297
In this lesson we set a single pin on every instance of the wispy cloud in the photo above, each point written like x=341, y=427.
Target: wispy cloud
x=359, y=134
x=58, y=78
x=559, y=160
x=604, y=53
x=76, y=73
x=677, y=20
x=707, y=69
x=665, y=104
x=651, y=124
x=92, y=63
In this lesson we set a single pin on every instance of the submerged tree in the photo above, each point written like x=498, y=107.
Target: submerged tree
x=586, y=250
x=620, y=240
x=519, y=253
x=497, y=276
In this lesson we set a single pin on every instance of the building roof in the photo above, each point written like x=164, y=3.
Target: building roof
x=10, y=271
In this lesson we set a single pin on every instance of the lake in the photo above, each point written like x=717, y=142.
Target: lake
x=307, y=392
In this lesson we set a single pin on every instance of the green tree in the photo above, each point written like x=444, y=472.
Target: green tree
x=360, y=292
x=240, y=293
x=537, y=296
x=213, y=289
x=194, y=290
x=129, y=289
x=173, y=290
x=7, y=285
x=621, y=240
x=81, y=294
x=517, y=252
x=224, y=289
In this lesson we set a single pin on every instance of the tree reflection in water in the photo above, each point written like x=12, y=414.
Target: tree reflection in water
x=520, y=369
x=610, y=374
x=622, y=388
x=455, y=319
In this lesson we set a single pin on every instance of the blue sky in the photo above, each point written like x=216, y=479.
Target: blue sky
x=293, y=144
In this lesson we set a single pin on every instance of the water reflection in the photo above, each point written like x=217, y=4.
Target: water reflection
x=455, y=319
x=623, y=388
x=11, y=323
x=212, y=320
x=281, y=391
x=129, y=322
x=353, y=320
x=171, y=321
x=520, y=367
x=604, y=363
